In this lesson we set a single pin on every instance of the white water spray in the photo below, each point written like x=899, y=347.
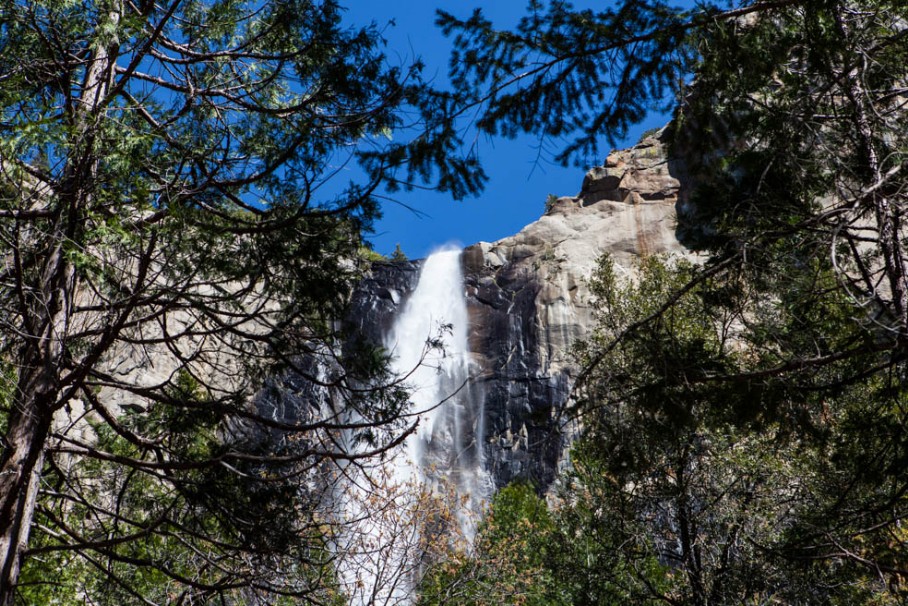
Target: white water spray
x=429, y=344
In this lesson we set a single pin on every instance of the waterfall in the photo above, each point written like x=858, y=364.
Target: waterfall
x=447, y=447
x=437, y=482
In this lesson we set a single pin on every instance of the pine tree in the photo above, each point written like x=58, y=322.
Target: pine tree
x=398, y=255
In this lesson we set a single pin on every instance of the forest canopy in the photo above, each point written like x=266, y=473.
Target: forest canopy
x=176, y=233
x=163, y=171
x=743, y=417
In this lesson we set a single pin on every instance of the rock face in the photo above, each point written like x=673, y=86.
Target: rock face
x=528, y=300
x=379, y=296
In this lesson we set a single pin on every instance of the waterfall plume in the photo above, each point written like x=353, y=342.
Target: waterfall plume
x=436, y=484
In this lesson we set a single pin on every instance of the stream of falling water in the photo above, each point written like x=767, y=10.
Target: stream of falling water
x=440, y=463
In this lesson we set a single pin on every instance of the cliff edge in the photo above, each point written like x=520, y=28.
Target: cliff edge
x=529, y=299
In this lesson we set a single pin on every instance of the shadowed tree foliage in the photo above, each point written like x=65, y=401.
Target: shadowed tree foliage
x=744, y=417
x=701, y=455
x=577, y=78
x=175, y=229
x=508, y=560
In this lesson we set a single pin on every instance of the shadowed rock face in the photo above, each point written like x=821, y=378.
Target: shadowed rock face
x=379, y=296
x=528, y=300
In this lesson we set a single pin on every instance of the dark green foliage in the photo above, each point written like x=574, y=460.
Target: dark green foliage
x=657, y=467
x=743, y=417
x=170, y=240
x=715, y=444
x=580, y=76
x=510, y=561
x=525, y=553
x=809, y=194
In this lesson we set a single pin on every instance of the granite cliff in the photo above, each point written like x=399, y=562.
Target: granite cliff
x=528, y=300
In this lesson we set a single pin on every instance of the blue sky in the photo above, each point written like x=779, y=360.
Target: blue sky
x=519, y=176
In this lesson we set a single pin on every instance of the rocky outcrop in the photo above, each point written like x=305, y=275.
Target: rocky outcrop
x=379, y=296
x=529, y=300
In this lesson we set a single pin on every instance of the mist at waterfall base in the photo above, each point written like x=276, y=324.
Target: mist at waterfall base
x=438, y=476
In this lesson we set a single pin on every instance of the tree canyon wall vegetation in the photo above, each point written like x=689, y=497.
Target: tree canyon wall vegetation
x=163, y=169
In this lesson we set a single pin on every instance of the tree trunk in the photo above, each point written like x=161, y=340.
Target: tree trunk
x=24, y=443
x=42, y=356
x=36, y=400
x=886, y=213
x=20, y=475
